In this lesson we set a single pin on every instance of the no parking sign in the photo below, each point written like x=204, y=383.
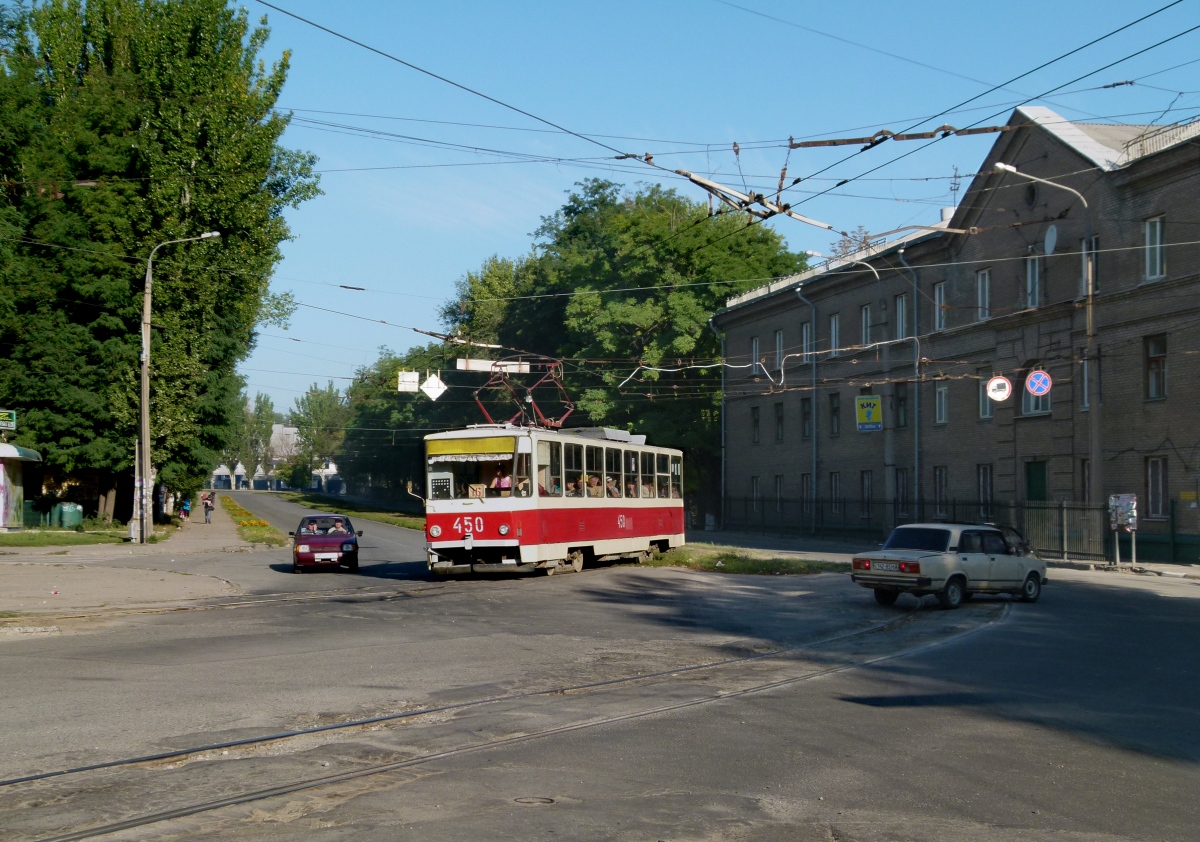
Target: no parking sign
x=1038, y=383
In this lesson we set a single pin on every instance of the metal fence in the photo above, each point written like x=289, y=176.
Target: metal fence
x=1056, y=530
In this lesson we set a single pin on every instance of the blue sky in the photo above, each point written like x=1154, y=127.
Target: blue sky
x=405, y=218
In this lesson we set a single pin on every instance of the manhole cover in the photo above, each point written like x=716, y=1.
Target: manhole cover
x=532, y=799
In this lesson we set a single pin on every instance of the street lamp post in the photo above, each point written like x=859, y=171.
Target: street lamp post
x=144, y=425
x=1095, y=483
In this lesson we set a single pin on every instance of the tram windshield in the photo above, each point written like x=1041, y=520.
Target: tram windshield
x=478, y=467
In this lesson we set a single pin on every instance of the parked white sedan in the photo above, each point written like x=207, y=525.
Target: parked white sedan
x=953, y=560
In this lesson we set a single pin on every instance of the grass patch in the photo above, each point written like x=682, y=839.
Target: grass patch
x=363, y=511
x=746, y=562
x=59, y=538
x=253, y=530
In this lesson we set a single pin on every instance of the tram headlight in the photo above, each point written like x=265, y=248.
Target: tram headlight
x=435, y=531
x=504, y=529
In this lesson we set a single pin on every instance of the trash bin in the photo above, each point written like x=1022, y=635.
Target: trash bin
x=67, y=515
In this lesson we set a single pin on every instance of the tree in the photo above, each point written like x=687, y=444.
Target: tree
x=320, y=417
x=616, y=280
x=123, y=124
x=849, y=243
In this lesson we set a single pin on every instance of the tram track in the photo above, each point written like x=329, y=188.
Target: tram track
x=297, y=786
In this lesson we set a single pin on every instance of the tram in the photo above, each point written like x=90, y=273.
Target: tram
x=505, y=498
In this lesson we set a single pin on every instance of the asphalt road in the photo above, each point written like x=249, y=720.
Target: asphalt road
x=621, y=703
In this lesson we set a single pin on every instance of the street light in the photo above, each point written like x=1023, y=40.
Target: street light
x=1095, y=484
x=144, y=426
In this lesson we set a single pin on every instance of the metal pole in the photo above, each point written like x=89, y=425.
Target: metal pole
x=814, y=412
x=721, y=337
x=146, y=496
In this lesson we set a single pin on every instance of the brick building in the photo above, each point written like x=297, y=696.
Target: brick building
x=1005, y=295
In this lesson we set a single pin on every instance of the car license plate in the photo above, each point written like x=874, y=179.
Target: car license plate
x=326, y=556
x=886, y=566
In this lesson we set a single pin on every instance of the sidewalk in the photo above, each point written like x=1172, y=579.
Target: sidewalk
x=59, y=581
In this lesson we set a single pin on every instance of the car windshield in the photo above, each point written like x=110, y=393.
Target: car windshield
x=919, y=538
x=325, y=525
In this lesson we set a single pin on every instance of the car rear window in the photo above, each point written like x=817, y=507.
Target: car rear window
x=919, y=538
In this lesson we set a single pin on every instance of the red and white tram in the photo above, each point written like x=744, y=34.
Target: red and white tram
x=502, y=498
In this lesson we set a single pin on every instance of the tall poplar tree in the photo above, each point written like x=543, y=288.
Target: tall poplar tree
x=124, y=124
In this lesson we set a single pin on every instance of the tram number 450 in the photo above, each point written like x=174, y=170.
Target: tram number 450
x=467, y=524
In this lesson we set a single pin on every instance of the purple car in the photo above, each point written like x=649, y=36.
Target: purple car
x=325, y=540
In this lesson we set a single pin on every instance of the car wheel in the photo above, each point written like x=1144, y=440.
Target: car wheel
x=296, y=568
x=952, y=595
x=352, y=566
x=1031, y=589
x=886, y=597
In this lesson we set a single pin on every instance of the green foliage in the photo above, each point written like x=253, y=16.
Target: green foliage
x=320, y=417
x=616, y=280
x=124, y=124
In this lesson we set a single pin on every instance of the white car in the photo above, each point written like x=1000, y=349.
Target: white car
x=953, y=560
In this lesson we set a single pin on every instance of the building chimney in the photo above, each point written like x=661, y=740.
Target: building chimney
x=947, y=214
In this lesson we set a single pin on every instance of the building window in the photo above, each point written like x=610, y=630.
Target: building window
x=835, y=414
x=1156, y=367
x=1032, y=404
x=779, y=350
x=986, y=407
x=1156, y=257
x=755, y=494
x=1092, y=250
x=779, y=422
x=835, y=335
x=983, y=294
x=755, y=430
x=901, y=404
x=941, y=403
x=941, y=485
x=806, y=418
x=902, y=491
x=939, y=306
x=1033, y=282
x=806, y=341
x=1156, y=487
x=984, y=475
x=901, y=316
x=835, y=491
x=779, y=492
x=864, y=483
x=864, y=314
x=755, y=362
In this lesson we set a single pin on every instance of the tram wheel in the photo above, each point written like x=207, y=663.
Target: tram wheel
x=576, y=559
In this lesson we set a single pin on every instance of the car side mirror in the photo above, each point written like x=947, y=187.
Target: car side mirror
x=359, y=533
x=291, y=534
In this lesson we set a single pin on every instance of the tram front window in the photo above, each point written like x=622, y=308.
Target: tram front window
x=451, y=479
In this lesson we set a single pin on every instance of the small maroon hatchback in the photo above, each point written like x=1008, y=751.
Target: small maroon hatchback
x=325, y=540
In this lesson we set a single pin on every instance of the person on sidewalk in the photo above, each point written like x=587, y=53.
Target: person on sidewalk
x=185, y=510
x=208, y=508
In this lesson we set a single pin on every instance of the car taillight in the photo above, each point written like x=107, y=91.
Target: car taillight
x=862, y=564
x=910, y=567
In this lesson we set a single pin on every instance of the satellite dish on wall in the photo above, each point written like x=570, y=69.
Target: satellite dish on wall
x=1051, y=239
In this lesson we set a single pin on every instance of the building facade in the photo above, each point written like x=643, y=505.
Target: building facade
x=998, y=287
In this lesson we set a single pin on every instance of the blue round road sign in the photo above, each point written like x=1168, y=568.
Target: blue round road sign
x=1038, y=383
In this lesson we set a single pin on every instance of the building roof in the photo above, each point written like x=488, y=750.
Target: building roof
x=19, y=454
x=1111, y=146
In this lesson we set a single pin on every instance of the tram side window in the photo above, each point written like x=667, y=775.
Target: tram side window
x=646, y=487
x=677, y=477
x=631, y=473
x=573, y=458
x=549, y=472
x=612, y=472
x=595, y=472
x=663, y=461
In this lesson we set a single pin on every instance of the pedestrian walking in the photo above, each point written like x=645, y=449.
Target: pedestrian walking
x=208, y=507
x=185, y=510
